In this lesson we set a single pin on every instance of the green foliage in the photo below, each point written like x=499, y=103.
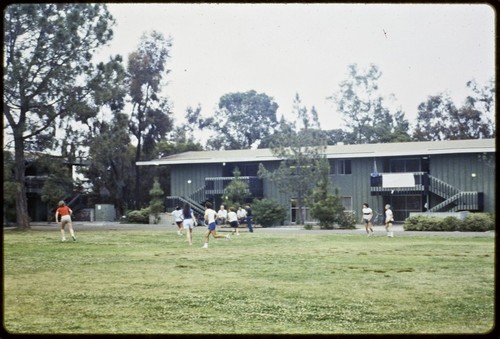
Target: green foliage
x=138, y=216
x=474, y=222
x=268, y=213
x=367, y=117
x=450, y=224
x=156, y=203
x=48, y=73
x=347, y=220
x=325, y=207
x=301, y=145
x=478, y=222
x=242, y=120
x=237, y=191
x=440, y=119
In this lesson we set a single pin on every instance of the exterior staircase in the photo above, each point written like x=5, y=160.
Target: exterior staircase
x=455, y=200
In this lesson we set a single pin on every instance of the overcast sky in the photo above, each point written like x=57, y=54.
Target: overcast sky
x=283, y=49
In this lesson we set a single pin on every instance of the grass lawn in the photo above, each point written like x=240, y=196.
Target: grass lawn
x=152, y=282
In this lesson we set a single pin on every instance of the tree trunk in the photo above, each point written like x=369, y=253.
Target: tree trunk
x=22, y=216
x=137, y=175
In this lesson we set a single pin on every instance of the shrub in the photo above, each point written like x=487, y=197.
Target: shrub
x=450, y=224
x=347, y=220
x=478, y=222
x=138, y=216
x=413, y=223
x=268, y=213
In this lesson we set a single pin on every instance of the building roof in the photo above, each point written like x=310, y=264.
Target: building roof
x=419, y=148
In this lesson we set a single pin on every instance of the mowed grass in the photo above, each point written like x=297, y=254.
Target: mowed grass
x=152, y=282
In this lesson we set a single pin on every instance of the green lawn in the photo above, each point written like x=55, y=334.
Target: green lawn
x=125, y=282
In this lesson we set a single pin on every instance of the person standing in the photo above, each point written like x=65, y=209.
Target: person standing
x=222, y=215
x=210, y=216
x=367, y=218
x=389, y=218
x=65, y=212
x=177, y=213
x=189, y=222
x=248, y=209
x=233, y=220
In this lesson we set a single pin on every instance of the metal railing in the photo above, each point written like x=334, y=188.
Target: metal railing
x=441, y=188
x=462, y=201
x=216, y=185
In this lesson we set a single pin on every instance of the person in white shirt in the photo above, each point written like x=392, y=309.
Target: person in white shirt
x=367, y=218
x=177, y=213
x=242, y=215
x=389, y=218
x=189, y=222
x=210, y=216
x=233, y=220
x=222, y=215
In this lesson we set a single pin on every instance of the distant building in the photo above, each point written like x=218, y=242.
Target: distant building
x=35, y=178
x=436, y=176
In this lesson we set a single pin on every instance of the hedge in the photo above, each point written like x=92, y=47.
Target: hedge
x=474, y=222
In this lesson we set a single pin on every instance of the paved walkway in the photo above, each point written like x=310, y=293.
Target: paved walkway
x=379, y=230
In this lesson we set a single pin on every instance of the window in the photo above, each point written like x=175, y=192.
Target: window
x=347, y=203
x=340, y=167
x=404, y=165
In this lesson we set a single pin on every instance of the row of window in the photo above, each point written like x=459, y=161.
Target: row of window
x=344, y=166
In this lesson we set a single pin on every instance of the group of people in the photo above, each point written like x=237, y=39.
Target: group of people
x=235, y=217
x=368, y=216
x=185, y=220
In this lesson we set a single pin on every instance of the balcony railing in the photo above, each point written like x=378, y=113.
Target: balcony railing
x=216, y=185
x=377, y=188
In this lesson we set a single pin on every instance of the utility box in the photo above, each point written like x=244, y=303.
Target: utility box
x=105, y=212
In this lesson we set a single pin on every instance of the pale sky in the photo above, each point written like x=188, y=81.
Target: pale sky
x=284, y=49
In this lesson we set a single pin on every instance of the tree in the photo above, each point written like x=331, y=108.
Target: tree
x=242, y=120
x=325, y=206
x=237, y=191
x=111, y=172
x=47, y=61
x=365, y=111
x=59, y=183
x=439, y=118
x=156, y=203
x=150, y=120
x=301, y=146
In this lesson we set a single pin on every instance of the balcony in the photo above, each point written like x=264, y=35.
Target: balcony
x=216, y=185
x=34, y=184
x=399, y=183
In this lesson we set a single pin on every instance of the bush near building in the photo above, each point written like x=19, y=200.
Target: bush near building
x=268, y=213
x=138, y=216
x=474, y=222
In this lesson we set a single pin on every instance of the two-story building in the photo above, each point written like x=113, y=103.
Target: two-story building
x=439, y=176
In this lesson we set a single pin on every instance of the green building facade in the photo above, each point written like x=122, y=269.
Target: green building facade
x=435, y=176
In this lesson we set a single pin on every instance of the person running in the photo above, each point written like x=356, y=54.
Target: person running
x=189, y=222
x=210, y=216
x=389, y=218
x=367, y=219
x=65, y=212
x=233, y=220
x=177, y=213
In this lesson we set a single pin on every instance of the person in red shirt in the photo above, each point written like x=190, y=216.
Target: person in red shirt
x=65, y=213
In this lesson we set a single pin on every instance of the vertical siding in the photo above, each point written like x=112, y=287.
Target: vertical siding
x=197, y=173
x=457, y=170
